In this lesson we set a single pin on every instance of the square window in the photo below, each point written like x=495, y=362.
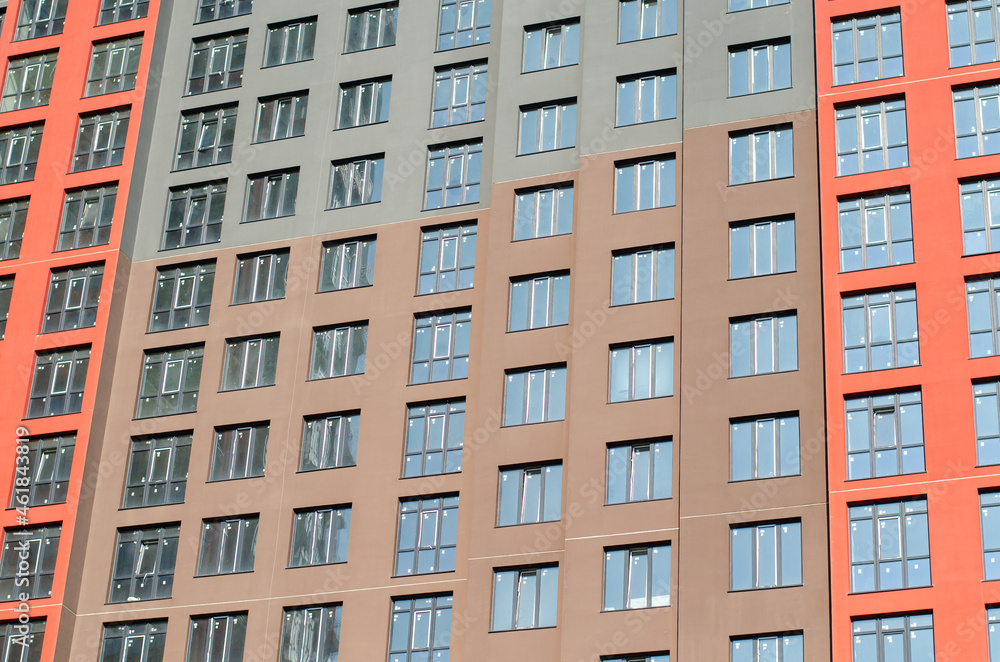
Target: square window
x=213, y=10
x=114, y=66
x=756, y=68
x=281, y=117
x=136, y=641
x=760, y=155
x=116, y=11
x=290, y=42
x=73, y=298
x=261, y=277
x=980, y=225
x=871, y=137
x=183, y=296
x=420, y=628
x=639, y=275
x=250, y=362
x=459, y=94
x=371, y=27
x=889, y=546
x=764, y=447
x=157, y=470
x=906, y=637
x=271, y=195
x=875, y=231
x=763, y=345
x=885, y=435
x=548, y=127
x=427, y=535
x=761, y=248
x=551, y=46
x=434, y=436
x=765, y=555
x=300, y=633
x=100, y=142
x=40, y=18
x=641, y=371
x=206, y=137
x=144, y=565
x=637, y=577
x=228, y=545
x=543, y=212
x=742, y=5
x=447, y=258
x=347, y=264
x=531, y=494
x=87, y=216
x=649, y=183
x=977, y=121
x=648, y=97
x=170, y=379
x=356, y=181
x=464, y=23
x=867, y=48
x=524, y=598
x=646, y=19
x=320, y=536
x=640, y=471
x=453, y=174
x=57, y=387
x=364, y=102
x=972, y=32
x=218, y=638
x=339, y=351
x=534, y=395
x=19, y=154
x=330, y=441
x=239, y=452
x=217, y=62
x=762, y=648
x=441, y=347
x=29, y=82
x=537, y=302
x=28, y=562
x=880, y=330
x=20, y=642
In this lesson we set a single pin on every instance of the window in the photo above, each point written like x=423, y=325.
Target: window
x=441, y=347
x=464, y=23
x=86, y=218
x=980, y=223
x=371, y=27
x=741, y=5
x=19, y=154
x=21, y=642
x=640, y=471
x=645, y=19
x=116, y=11
x=228, y=545
x=101, y=140
x=281, y=117
x=889, y=546
x=875, y=231
x=867, y=48
x=29, y=82
x=144, y=564
x=114, y=65
x=880, y=330
x=13, y=214
x=356, y=181
x=239, y=452
x=320, y=536
x=157, y=470
x=525, y=598
x=989, y=517
x=217, y=638
x=529, y=495
x=972, y=35
x=6, y=290
x=428, y=533
x=637, y=577
x=447, y=258
x=768, y=648
x=551, y=46
x=365, y=102
x=762, y=345
x=760, y=155
x=984, y=325
x=434, y=434
x=646, y=184
x=57, y=388
x=534, y=395
x=640, y=371
x=311, y=634
x=885, y=435
x=347, y=264
x=217, y=62
x=290, y=42
x=977, y=121
x=40, y=18
x=647, y=98
x=907, y=638
x=250, y=362
x=987, y=423
x=73, y=297
x=330, y=441
x=183, y=296
x=421, y=628
x=453, y=173
x=271, y=195
x=260, y=277
x=339, y=351
x=543, y=212
x=871, y=137
x=28, y=563
x=138, y=641
x=760, y=248
x=641, y=275
x=213, y=10
x=548, y=127
x=194, y=215
x=765, y=447
x=170, y=379
x=760, y=68
x=459, y=94
x=539, y=301
x=766, y=555
x=206, y=137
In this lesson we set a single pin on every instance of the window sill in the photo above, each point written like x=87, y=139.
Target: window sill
x=358, y=126
x=281, y=64
x=360, y=204
x=266, y=218
x=546, y=521
x=761, y=181
x=179, y=413
x=136, y=601
x=521, y=425
x=214, y=481
x=733, y=481
x=463, y=204
x=315, y=565
x=246, y=388
x=893, y=590
x=733, y=279
x=865, y=372
x=757, y=94
x=445, y=126
x=629, y=503
x=538, y=328
x=224, y=574
x=640, y=123
x=629, y=609
x=763, y=588
x=636, y=211
x=639, y=303
x=199, y=167
x=345, y=289
x=438, y=381
x=459, y=48
x=276, y=140
x=764, y=374
x=545, y=151
x=179, y=328
x=320, y=379
x=446, y=473
x=910, y=473
x=247, y=303
x=367, y=50
x=427, y=294
x=177, y=248
x=559, y=66
x=424, y=574
x=655, y=397
x=659, y=36
x=540, y=627
x=311, y=471
x=872, y=172
x=149, y=505
x=515, y=240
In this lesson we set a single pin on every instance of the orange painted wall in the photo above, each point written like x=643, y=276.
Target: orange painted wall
x=32, y=270
x=958, y=595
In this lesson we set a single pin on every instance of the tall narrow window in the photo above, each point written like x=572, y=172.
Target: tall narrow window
x=239, y=452
x=428, y=534
x=761, y=248
x=183, y=296
x=459, y=94
x=867, y=48
x=530, y=494
x=100, y=142
x=157, y=470
x=987, y=417
x=989, y=518
x=764, y=447
x=87, y=216
x=6, y=291
x=548, y=127
x=640, y=471
x=885, y=435
x=871, y=137
x=760, y=68
x=543, y=212
x=13, y=214
x=464, y=23
x=980, y=222
x=434, y=436
x=880, y=330
x=73, y=298
x=637, y=577
x=982, y=296
x=762, y=345
x=875, y=231
x=339, y=351
x=347, y=264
